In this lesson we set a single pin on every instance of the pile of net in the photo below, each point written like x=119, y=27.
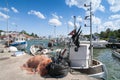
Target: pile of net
x=58, y=68
x=55, y=66
x=37, y=64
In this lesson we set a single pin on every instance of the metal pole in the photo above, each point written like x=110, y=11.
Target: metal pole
x=7, y=25
x=91, y=44
x=67, y=28
x=75, y=22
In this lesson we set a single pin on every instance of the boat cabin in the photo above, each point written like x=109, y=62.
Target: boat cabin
x=80, y=58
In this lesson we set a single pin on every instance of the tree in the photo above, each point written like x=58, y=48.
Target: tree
x=24, y=32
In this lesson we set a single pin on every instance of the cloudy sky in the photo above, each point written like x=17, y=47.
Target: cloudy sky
x=40, y=16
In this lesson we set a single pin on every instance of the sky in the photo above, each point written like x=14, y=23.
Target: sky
x=41, y=16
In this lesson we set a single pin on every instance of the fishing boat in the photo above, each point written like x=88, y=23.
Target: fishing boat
x=116, y=53
x=19, y=42
x=80, y=62
x=81, y=55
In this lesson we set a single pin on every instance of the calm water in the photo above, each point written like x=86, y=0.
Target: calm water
x=36, y=42
x=104, y=55
x=112, y=63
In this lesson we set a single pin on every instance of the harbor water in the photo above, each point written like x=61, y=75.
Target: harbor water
x=112, y=63
x=104, y=55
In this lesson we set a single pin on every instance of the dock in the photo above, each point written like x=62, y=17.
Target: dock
x=10, y=69
x=113, y=45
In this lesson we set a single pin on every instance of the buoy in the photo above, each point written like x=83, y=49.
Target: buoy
x=12, y=49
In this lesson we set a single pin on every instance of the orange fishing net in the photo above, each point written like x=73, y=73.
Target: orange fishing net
x=37, y=64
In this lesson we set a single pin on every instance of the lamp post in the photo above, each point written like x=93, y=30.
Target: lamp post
x=90, y=18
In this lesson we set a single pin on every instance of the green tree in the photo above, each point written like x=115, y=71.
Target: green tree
x=32, y=34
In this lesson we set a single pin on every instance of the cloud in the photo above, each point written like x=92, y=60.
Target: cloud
x=61, y=17
x=112, y=24
x=14, y=10
x=117, y=16
x=96, y=20
x=112, y=2
x=55, y=22
x=101, y=8
x=70, y=24
x=37, y=13
x=56, y=16
x=114, y=5
x=79, y=19
x=5, y=9
x=3, y=16
x=96, y=4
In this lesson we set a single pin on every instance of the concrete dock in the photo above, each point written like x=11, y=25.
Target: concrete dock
x=10, y=70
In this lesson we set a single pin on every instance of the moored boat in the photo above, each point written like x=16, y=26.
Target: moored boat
x=19, y=42
x=116, y=53
x=40, y=49
x=36, y=49
x=80, y=63
x=81, y=55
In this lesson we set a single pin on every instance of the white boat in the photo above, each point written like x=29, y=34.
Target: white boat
x=98, y=44
x=80, y=62
x=81, y=55
x=39, y=49
x=19, y=42
x=116, y=53
x=36, y=49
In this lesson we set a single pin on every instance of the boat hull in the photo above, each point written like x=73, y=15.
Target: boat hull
x=97, y=70
x=116, y=53
x=19, y=45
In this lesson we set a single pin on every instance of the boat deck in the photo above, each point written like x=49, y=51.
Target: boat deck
x=10, y=70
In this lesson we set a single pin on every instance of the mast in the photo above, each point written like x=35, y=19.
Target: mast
x=75, y=22
x=91, y=44
x=90, y=18
x=7, y=25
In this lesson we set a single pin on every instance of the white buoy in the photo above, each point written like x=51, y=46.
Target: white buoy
x=12, y=49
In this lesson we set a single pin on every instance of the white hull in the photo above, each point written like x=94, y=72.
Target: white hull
x=80, y=62
x=102, y=74
x=116, y=53
x=96, y=44
x=98, y=71
x=36, y=49
x=20, y=47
